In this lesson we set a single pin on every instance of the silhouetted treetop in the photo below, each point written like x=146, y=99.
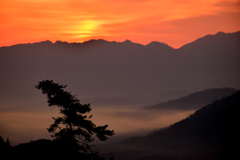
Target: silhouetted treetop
x=74, y=128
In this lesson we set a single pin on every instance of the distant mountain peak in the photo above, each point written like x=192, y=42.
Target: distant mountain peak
x=42, y=42
x=96, y=40
x=127, y=41
x=220, y=33
x=61, y=42
x=47, y=41
x=158, y=44
x=217, y=40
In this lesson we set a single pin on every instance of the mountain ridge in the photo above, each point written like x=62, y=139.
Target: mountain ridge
x=218, y=34
x=194, y=100
x=220, y=37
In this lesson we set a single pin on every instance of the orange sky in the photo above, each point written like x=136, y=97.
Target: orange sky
x=175, y=22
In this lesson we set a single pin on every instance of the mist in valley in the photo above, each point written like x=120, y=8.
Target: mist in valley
x=22, y=127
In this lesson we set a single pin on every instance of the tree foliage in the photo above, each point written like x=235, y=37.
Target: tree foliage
x=73, y=128
x=5, y=146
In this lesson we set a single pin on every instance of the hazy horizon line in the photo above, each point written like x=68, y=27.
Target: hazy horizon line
x=81, y=42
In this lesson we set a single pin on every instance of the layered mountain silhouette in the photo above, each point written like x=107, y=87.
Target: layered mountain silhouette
x=118, y=73
x=127, y=74
x=195, y=100
x=209, y=133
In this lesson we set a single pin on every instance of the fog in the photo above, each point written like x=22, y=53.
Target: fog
x=22, y=127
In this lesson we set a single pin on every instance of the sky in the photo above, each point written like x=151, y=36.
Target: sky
x=174, y=22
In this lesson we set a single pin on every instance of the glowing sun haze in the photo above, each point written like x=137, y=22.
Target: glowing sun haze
x=175, y=22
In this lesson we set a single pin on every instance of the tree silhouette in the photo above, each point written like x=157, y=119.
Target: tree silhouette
x=5, y=147
x=74, y=128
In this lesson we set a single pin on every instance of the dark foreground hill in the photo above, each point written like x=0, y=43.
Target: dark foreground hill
x=43, y=149
x=195, y=100
x=210, y=133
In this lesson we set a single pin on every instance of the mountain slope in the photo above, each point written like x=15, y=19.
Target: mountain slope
x=218, y=41
x=195, y=100
x=210, y=133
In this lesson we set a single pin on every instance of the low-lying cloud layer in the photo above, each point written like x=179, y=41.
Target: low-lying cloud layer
x=22, y=127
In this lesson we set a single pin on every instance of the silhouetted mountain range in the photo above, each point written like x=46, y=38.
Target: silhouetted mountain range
x=209, y=133
x=195, y=100
x=118, y=73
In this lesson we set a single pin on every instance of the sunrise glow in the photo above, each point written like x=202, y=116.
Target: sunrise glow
x=173, y=22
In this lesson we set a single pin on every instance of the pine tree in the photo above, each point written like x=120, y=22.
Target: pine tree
x=73, y=128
